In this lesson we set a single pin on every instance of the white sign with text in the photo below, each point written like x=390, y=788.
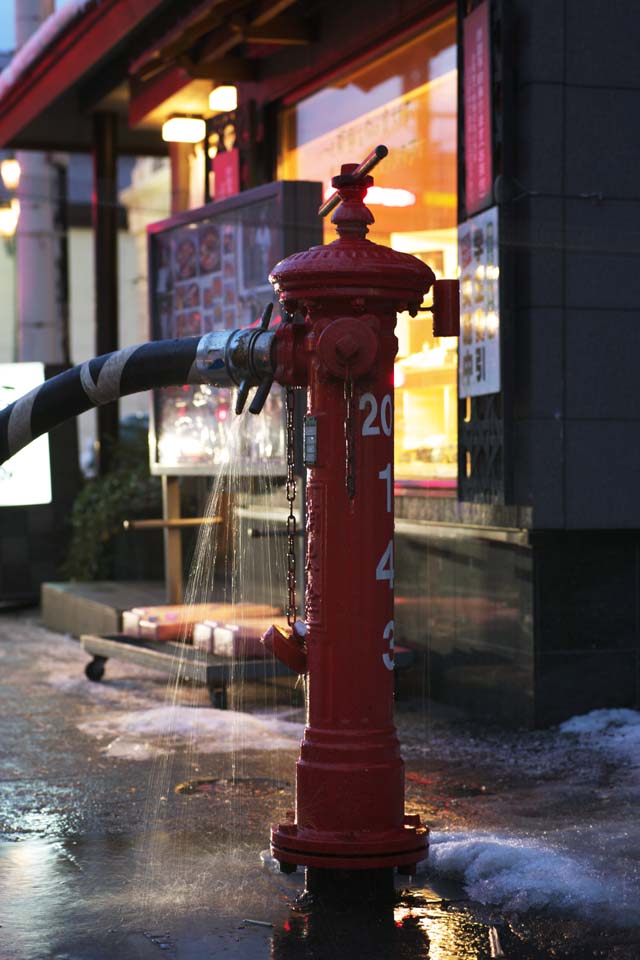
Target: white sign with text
x=478, y=251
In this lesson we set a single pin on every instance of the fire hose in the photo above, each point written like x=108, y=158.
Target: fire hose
x=242, y=358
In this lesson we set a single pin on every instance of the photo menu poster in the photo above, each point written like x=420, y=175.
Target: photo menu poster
x=212, y=274
x=478, y=252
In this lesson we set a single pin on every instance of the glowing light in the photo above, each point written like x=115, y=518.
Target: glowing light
x=183, y=130
x=381, y=196
x=10, y=173
x=26, y=478
x=223, y=99
x=399, y=378
x=389, y=197
x=9, y=217
x=479, y=324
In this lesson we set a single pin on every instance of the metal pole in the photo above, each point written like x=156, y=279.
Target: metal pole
x=105, y=227
x=171, y=505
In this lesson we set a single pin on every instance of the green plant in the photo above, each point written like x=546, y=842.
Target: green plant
x=99, y=509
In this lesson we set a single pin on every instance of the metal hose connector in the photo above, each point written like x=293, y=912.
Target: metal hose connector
x=220, y=359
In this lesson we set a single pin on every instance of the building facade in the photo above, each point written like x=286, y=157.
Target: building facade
x=511, y=161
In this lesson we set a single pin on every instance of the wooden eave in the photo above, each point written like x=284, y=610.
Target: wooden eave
x=219, y=41
x=41, y=109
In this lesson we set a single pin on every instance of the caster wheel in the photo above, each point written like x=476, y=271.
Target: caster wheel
x=94, y=670
x=288, y=868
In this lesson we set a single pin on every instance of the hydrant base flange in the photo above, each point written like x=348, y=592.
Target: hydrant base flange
x=393, y=848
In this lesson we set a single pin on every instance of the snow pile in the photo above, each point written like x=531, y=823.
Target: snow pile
x=521, y=875
x=140, y=734
x=612, y=730
x=130, y=692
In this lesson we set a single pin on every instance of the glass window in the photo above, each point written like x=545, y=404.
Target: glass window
x=407, y=100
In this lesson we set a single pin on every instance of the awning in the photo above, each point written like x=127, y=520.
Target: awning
x=137, y=59
x=77, y=63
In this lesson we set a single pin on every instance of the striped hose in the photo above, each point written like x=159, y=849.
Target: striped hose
x=163, y=363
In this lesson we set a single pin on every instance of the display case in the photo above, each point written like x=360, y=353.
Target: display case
x=209, y=270
x=408, y=101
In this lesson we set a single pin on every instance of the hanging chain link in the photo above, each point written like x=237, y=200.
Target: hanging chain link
x=292, y=600
x=349, y=438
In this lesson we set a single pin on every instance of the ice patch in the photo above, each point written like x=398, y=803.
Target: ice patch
x=140, y=734
x=522, y=875
x=617, y=730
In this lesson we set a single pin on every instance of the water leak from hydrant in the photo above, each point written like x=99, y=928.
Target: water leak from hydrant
x=225, y=569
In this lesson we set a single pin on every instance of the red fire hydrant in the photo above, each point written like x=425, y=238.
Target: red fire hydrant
x=350, y=776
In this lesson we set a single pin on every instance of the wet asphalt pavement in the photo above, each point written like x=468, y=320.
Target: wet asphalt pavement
x=152, y=847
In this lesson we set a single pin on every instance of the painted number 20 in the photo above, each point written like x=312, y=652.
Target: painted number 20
x=369, y=427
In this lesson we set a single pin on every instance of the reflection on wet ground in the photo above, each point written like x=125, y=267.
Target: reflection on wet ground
x=112, y=858
x=83, y=898
x=98, y=897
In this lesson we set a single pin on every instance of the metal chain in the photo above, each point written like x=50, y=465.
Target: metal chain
x=349, y=438
x=292, y=600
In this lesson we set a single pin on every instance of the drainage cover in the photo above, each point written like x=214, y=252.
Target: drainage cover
x=253, y=786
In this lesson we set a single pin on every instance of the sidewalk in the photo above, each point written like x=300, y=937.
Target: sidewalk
x=132, y=820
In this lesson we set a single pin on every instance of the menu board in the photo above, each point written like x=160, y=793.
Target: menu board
x=209, y=271
x=478, y=251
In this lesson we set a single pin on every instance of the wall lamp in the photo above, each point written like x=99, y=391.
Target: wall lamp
x=184, y=130
x=223, y=99
x=10, y=173
x=9, y=216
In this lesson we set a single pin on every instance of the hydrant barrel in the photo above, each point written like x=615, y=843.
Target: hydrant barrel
x=350, y=776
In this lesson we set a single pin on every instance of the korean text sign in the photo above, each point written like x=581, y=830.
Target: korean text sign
x=478, y=250
x=478, y=155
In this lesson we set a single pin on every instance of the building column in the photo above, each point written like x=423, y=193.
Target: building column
x=105, y=233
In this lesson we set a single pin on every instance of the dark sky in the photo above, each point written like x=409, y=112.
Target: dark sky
x=7, y=31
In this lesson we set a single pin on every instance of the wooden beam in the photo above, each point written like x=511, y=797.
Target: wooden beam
x=210, y=16
x=268, y=9
x=88, y=39
x=146, y=96
x=217, y=44
x=288, y=30
x=222, y=70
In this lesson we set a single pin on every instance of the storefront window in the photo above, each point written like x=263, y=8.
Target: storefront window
x=406, y=100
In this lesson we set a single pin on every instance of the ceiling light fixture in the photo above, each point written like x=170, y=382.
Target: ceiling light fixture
x=184, y=130
x=223, y=99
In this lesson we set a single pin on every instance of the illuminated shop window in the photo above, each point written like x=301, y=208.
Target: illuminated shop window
x=407, y=100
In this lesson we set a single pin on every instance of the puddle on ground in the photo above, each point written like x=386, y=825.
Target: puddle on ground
x=137, y=895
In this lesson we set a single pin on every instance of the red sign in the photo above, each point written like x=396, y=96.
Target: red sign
x=478, y=154
x=226, y=170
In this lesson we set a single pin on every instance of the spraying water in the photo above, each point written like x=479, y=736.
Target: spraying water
x=226, y=568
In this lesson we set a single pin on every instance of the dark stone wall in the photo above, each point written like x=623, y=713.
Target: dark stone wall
x=573, y=235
